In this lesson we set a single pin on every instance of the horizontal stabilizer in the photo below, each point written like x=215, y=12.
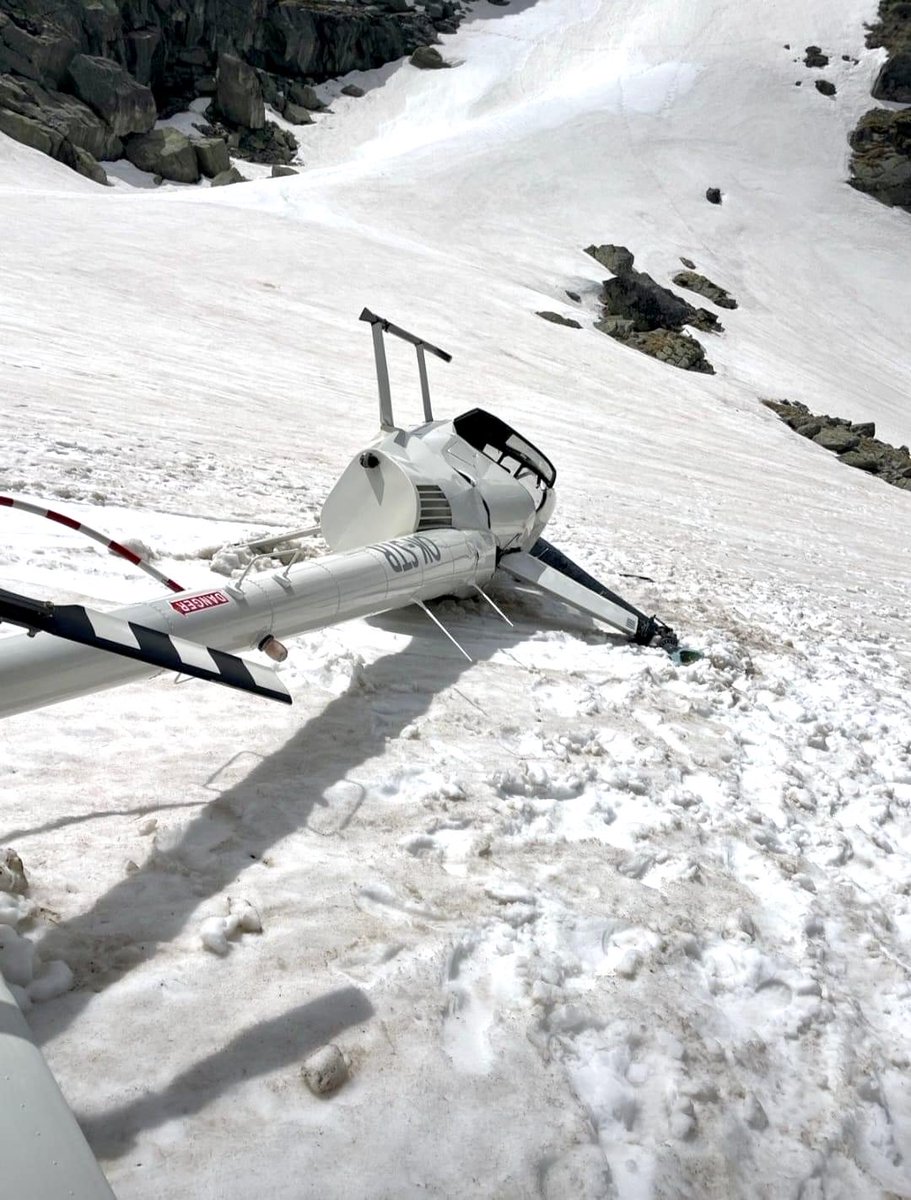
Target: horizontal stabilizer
x=103, y=631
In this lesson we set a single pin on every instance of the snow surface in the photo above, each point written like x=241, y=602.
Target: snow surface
x=580, y=923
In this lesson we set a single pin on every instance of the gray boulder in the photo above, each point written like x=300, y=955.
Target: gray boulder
x=297, y=115
x=164, y=152
x=704, y=287
x=825, y=87
x=351, y=89
x=227, y=177
x=814, y=57
x=862, y=460
x=110, y=91
x=557, y=319
x=212, y=155
x=279, y=171
x=305, y=96
x=837, y=439
x=809, y=429
x=637, y=296
x=617, y=259
x=239, y=95
x=894, y=79
x=428, y=58
x=713, y=195
x=89, y=167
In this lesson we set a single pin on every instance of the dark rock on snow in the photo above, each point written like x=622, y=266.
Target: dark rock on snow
x=641, y=313
x=824, y=86
x=164, y=152
x=617, y=259
x=557, y=319
x=713, y=195
x=688, y=263
x=297, y=115
x=573, y=295
x=304, y=95
x=223, y=178
x=705, y=287
x=279, y=171
x=351, y=89
x=428, y=59
x=639, y=298
x=90, y=167
x=855, y=444
x=815, y=57
x=675, y=348
x=267, y=145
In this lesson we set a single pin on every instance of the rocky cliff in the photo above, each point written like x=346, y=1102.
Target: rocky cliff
x=77, y=77
x=881, y=143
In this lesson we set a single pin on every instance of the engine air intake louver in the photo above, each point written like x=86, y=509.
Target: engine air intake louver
x=435, y=511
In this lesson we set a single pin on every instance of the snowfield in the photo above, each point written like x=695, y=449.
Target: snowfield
x=581, y=923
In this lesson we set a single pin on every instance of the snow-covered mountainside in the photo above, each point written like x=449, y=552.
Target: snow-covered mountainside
x=583, y=924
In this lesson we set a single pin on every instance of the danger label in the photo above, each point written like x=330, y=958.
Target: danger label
x=192, y=604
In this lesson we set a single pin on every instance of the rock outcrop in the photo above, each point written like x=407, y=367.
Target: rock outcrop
x=639, y=312
x=881, y=163
x=855, y=443
x=893, y=31
x=704, y=287
x=123, y=104
x=125, y=63
x=238, y=94
x=881, y=141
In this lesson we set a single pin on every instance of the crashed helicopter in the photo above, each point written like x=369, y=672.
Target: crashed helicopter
x=436, y=510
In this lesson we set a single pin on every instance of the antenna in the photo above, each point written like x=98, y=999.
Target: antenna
x=381, y=326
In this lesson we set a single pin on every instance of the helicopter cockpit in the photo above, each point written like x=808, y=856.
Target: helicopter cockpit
x=508, y=449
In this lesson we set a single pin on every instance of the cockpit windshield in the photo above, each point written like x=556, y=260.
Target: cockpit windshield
x=498, y=441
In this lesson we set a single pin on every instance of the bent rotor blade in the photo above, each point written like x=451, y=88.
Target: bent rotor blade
x=75, y=623
x=549, y=569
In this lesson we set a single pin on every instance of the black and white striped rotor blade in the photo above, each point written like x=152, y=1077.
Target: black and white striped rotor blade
x=104, y=631
x=127, y=638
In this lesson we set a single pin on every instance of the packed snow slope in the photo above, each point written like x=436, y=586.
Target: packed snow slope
x=583, y=924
